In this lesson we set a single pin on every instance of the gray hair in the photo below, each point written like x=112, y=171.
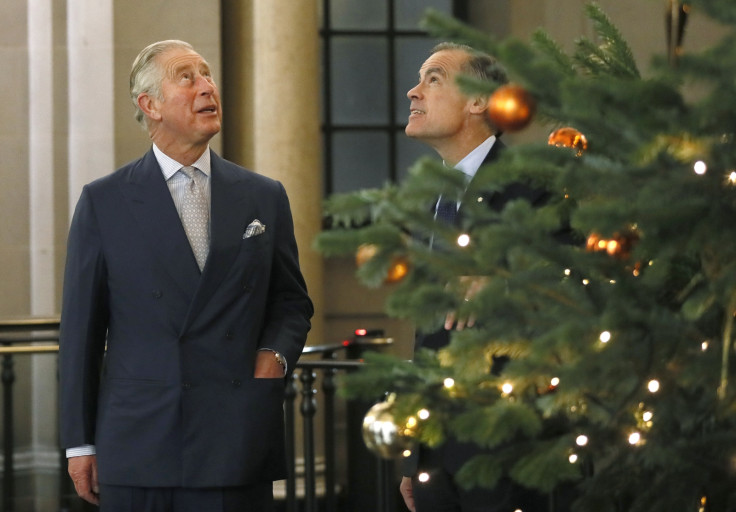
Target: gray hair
x=146, y=75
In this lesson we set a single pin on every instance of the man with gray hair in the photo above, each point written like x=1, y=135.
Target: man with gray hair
x=183, y=310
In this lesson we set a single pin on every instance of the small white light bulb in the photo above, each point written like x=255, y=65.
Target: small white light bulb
x=647, y=416
x=449, y=382
x=634, y=438
x=581, y=440
x=423, y=414
x=573, y=458
x=653, y=386
x=605, y=337
x=507, y=388
x=463, y=240
x=423, y=477
x=700, y=167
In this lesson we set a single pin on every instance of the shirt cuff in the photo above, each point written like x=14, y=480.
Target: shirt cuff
x=80, y=451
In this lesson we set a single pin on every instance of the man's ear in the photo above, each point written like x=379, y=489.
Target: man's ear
x=479, y=105
x=149, y=105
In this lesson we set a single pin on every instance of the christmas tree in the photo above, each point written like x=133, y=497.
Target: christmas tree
x=620, y=333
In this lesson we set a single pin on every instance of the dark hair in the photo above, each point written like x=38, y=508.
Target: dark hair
x=480, y=65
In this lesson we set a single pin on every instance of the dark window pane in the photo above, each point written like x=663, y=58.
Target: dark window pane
x=359, y=160
x=409, y=12
x=358, y=14
x=359, y=85
x=408, y=152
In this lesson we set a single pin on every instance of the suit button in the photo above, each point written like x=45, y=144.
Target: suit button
x=229, y=335
x=236, y=383
x=246, y=286
x=157, y=294
x=186, y=385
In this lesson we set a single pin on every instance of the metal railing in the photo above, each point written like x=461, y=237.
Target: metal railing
x=40, y=336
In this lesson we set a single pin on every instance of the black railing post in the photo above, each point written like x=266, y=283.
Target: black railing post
x=289, y=397
x=328, y=387
x=8, y=378
x=385, y=483
x=308, y=409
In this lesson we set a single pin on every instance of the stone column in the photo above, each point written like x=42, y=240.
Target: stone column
x=286, y=138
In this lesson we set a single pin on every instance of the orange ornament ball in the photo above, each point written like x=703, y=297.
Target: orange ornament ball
x=398, y=270
x=511, y=107
x=570, y=138
x=619, y=246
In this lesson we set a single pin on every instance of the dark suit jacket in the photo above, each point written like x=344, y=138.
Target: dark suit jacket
x=172, y=400
x=453, y=454
x=496, y=201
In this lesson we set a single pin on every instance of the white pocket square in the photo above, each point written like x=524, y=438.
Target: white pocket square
x=255, y=228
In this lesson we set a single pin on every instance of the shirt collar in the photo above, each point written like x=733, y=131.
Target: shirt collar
x=473, y=160
x=169, y=166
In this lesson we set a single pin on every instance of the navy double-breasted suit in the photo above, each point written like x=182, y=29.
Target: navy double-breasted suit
x=156, y=358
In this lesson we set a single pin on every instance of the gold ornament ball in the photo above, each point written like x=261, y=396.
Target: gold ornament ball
x=511, y=107
x=364, y=253
x=570, y=138
x=382, y=433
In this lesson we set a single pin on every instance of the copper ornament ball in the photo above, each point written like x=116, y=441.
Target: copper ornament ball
x=570, y=138
x=511, y=107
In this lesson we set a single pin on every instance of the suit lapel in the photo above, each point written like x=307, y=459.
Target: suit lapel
x=153, y=208
x=472, y=194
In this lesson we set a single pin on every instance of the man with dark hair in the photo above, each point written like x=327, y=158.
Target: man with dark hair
x=458, y=128
x=183, y=310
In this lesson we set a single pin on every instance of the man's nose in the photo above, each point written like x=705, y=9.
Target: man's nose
x=206, y=84
x=413, y=92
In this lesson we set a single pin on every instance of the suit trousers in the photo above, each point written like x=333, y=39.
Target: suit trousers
x=442, y=493
x=255, y=498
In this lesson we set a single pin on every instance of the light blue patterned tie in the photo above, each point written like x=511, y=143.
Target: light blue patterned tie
x=195, y=215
